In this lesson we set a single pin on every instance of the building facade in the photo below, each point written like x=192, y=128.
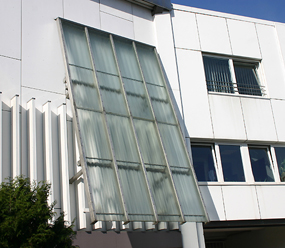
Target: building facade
x=225, y=79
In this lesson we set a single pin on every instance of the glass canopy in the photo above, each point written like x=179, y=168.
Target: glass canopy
x=134, y=159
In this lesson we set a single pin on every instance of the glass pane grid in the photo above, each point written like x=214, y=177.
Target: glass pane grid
x=116, y=151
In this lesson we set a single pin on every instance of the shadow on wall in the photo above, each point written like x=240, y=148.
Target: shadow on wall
x=272, y=237
x=209, y=203
x=95, y=239
x=180, y=115
x=125, y=6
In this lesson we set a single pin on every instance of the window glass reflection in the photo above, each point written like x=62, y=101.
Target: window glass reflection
x=231, y=163
x=260, y=165
x=280, y=156
x=204, y=163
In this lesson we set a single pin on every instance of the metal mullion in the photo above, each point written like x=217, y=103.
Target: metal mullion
x=136, y=80
x=120, y=115
x=134, y=133
x=115, y=166
x=181, y=135
x=233, y=75
x=77, y=129
x=107, y=73
x=143, y=119
x=160, y=139
x=161, y=86
x=81, y=67
x=167, y=123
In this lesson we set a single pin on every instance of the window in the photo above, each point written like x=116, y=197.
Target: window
x=280, y=156
x=204, y=163
x=247, y=79
x=134, y=159
x=231, y=163
x=232, y=76
x=260, y=164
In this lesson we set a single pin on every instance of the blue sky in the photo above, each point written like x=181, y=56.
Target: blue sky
x=273, y=10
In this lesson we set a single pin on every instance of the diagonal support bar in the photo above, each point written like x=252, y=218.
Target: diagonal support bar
x=75, y=177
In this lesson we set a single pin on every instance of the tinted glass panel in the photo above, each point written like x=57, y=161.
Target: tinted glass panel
x=260, y=165
x=122, y=138
x=163, y=193
x=137, y=99
x=135, y=191
x=173, y=145
x=103, y=54
x=76, y=46
x=112, y=97
x=231, y=163
x=105, y=190
x=149, y=65
x=160, y=103
x=204, y=163
x=94, y=134
x=187, y=194
x=280, y=155
x=149, y=142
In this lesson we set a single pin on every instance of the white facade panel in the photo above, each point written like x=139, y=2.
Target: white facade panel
x=82, y=11
x=42, y=63
x=271, y=201
x=185, y=30
x=165, y=48
x=194, y=94
x=278, y=107
x=10, y=79
x=243, y=39
x=56, y=150
x=213, y=200
x=48, y=149
x=258, y=118
x=117, y=25
x=144, y=27
x=280, y=28
x=65, y=187
x=10, y=29
x=272, y=61
x=213, y=34
x=32, y=130
x=119, y=8
x=227, y=118
x=243, y=197
x=39, y=135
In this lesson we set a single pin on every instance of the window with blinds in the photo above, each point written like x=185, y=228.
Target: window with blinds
x=135, y=163
x=229, y=76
